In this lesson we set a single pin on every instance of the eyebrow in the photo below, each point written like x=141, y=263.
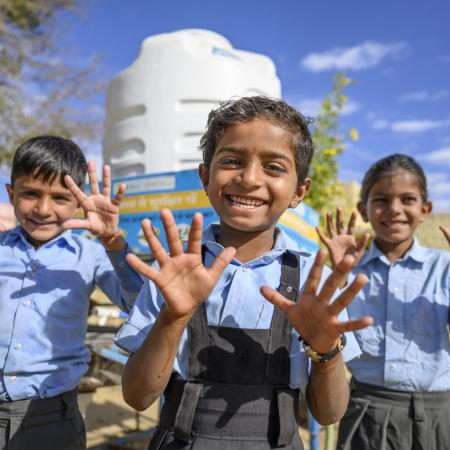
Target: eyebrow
x=270, y=153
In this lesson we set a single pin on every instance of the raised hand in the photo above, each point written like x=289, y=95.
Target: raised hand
x=446, y=233
x=182, y=278
x=314, y=316
x=101, y=212
x=2, y=227
x=341, y=242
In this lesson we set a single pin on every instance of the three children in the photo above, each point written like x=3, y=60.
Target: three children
x=46, y=277
x=232, y=366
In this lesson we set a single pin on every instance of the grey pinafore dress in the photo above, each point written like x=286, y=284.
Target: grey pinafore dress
x=237, y=395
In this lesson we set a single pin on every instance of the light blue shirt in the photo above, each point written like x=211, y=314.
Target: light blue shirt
x=44, y=305
x=407, y=348
x=234, y=302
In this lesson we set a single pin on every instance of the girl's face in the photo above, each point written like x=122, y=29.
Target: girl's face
x=395, y=209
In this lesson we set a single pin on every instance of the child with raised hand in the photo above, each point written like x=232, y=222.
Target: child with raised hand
x=47, y=275
x=231, y=365
x=400, y=396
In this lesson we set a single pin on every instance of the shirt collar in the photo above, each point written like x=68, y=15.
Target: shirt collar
x=65, y=238
x=416, y=252
x=282, y=243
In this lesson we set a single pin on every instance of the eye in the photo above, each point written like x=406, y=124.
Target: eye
x=275, y=169
x=29, y=194
x=230, y=162
x=61, y=199
x=409, y=200
x=379, y=200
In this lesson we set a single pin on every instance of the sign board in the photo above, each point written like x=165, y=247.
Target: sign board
x=183, y=193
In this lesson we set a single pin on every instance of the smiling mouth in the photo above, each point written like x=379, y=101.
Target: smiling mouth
x=394, y=224
x=41, y=223
x=245, y=202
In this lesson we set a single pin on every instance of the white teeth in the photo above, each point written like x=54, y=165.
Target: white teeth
x=246, y=202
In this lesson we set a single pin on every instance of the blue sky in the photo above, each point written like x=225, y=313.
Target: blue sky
x=398, y=53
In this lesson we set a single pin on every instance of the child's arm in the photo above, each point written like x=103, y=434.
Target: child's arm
x=100, y=210
x=341, y=242
x=446, y=232
x=185, y=283
x=316, y=320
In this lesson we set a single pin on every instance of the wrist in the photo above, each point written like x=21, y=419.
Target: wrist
x=113, y=243
x=326, y=356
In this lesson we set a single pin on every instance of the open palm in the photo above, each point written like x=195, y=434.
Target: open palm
x=101, y=212
x=340, y=241
x=181, y=277
x=314, y=316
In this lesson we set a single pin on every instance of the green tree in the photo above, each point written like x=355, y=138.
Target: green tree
x=43, y=87
x=329, y=143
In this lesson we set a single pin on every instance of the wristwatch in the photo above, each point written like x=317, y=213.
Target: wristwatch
x=324, y=357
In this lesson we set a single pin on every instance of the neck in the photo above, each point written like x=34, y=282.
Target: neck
x=394, y=251
x=248, y=245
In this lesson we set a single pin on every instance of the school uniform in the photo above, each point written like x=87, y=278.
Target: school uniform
x=44, y=306
x=239, y=368
x=400, y=397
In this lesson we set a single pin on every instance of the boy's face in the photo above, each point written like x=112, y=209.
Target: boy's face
x=40, y=207
x=252, y=179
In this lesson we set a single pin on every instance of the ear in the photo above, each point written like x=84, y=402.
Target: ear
x=203, y=173
x=301, y=192
x=362, y=210
x=427, y=207
x=10, y=190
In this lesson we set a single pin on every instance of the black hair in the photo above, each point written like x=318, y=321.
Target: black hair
x=276, y=111
x=49, y=157
x=387, y=166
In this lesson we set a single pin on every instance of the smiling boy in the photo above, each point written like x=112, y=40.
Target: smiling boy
x=46, y=277
x=202, y=331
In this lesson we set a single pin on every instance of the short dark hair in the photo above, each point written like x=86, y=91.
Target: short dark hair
x=49, y=157
x=387, y=166
x=276, y=111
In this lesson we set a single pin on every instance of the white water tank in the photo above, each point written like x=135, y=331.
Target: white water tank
x=157, y=108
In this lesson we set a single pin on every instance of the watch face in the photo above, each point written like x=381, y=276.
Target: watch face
x=318, y=357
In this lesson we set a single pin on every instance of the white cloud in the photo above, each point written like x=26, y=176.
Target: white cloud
x=362, y=56
x=424, y=96
x=418, y=126
x=410, y=126
x=310, y=106
x=441, y=156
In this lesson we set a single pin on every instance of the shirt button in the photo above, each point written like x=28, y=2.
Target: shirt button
x=27, y=302
x=121, y=264
x=13, y=379
x=18, y=346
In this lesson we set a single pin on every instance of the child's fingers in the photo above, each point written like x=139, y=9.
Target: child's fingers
x=278, y=300
x=355, y=324
x=221, y=261
x=361, y=245
x=347, y=296
x=330, y=227
x=336, y=279
x=195, y=234
x=352, y=223
x=76, y=224
x=93, y=179
x=153, y=242
x=322, y=236
x=79, y=195
x=141, y=267
x=339, y=221
x=313, y=280
x=172, y=234
x=117, y=199
x=446, y=233
x=106, y=182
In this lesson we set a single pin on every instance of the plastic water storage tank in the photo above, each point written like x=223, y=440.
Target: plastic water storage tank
x=157, y=108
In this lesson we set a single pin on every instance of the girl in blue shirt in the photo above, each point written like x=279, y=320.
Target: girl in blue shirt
x=400, y=396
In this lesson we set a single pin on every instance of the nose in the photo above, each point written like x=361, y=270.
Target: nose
x=43, y=206
x=251, y=176
x=395, y=205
